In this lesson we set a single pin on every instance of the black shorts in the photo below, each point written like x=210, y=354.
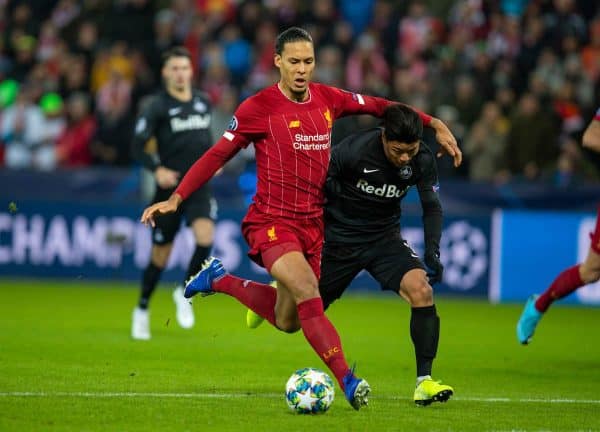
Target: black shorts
x=200, y=204
x=387, y=261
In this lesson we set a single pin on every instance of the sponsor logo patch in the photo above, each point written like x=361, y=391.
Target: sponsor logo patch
x=294, y=124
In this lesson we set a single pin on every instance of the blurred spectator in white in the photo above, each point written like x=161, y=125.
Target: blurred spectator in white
x=485, y=144
x=73, y=145
x=549, y=69
x=22, y=132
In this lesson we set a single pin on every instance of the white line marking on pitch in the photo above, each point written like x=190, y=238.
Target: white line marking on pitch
x=268, y=395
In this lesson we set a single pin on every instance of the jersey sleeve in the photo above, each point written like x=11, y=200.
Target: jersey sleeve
x=205, y=167
x=428, y=187
x=597, y=116
x=348, y=103
x=145, y=127
x=247, y=124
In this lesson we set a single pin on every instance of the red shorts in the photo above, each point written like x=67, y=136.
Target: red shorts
x=270, y=237
x=595, y=236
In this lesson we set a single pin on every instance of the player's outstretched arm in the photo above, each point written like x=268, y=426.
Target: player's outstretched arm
x=348, y=103
x=162, y=207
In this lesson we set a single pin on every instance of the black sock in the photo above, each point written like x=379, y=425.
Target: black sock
x=200, y=254
x=149, y=281
x=425, y=334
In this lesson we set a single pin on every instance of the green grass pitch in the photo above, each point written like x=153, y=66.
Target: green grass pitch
x=67, y=364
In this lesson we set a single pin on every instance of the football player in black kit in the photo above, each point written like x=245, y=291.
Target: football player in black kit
x=178, y=117
x=370, y=172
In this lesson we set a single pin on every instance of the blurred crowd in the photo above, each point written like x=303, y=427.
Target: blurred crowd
x=516, y=80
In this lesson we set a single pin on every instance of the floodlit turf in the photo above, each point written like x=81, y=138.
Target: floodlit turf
x=67, y=363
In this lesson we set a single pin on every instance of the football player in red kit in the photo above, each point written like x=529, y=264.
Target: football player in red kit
x=289, y=124
x=574, y=277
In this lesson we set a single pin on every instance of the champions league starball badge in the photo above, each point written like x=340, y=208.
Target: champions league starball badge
x=233, y=123
x=405, y=172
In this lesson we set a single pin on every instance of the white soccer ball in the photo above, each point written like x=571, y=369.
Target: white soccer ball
x=309, y=391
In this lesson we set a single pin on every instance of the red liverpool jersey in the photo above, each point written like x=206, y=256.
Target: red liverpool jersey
x=292, y=141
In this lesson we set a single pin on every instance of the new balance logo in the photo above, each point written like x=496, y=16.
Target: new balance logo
x=367, y=171
x=174, y=111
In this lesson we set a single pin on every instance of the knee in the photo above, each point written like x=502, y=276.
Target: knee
x=419, y=292
x=287, y=325
x=305, y=288
x=589, y=273
x=160, y=255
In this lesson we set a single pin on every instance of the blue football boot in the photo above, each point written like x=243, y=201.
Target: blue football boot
x=356, y=390
x=530, y=317
x=202, y=281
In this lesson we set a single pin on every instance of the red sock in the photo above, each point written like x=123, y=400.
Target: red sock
x=254, y=295
x=564, y=284
x=323, y=337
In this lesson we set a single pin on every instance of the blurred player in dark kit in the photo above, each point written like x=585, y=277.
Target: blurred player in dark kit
x=178, y=117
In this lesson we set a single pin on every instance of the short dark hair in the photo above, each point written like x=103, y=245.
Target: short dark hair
x=402, y=123
x=293, y=34
x=177, y=51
